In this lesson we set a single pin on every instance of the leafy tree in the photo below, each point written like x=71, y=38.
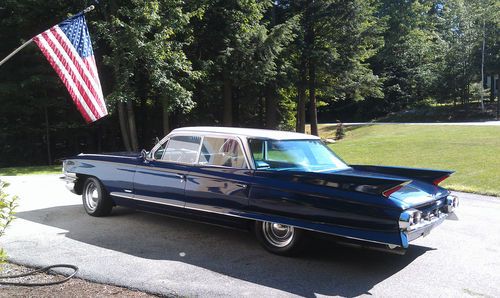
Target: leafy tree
x=167, y=63
x=413, y=52
x=336, y=41
x=7, y=206
x=36, y=110
x=144, y=51
x=238, y=53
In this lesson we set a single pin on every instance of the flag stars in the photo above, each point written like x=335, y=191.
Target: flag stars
x=77, y=32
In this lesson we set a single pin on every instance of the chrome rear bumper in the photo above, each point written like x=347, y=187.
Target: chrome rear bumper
x=413, y=226
x=424, y=228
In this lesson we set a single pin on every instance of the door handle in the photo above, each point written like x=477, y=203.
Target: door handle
x=181, y=176
x=241, y=185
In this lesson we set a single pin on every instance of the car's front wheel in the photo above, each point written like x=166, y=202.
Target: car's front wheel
x=280, y=239
x=95, y=198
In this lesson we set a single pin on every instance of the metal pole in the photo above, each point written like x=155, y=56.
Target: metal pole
x=90, y=8
x=15, y=51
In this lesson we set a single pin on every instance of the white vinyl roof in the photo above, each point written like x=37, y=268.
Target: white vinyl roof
x=248, y=132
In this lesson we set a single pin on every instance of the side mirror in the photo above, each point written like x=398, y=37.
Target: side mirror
x=259, y=164
x=144, y=154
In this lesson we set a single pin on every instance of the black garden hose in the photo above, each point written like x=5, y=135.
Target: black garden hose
x=44, y=269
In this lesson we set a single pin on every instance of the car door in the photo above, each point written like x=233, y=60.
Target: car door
x=161, y=179
x=220, y=183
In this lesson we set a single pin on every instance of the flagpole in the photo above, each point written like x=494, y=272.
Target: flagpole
x=15, y=51
x=88, y=9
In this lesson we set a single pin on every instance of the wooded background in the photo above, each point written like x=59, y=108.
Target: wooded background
x=274, y=64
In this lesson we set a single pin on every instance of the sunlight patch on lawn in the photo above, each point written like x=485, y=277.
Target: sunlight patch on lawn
x=472, y=151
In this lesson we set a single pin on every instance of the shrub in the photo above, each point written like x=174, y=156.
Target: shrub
x=7, y=206
x=340, y=131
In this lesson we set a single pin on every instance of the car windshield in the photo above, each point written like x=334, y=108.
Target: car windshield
x=303, y=155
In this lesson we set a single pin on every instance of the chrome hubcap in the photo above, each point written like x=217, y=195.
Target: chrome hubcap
x=277, y=234
x=91, y=196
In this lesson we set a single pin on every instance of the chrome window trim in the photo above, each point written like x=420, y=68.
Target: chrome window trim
x=197, y=162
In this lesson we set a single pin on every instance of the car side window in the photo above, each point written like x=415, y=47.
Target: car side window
x=159, y=152
x=181, y=149
x=225, y=152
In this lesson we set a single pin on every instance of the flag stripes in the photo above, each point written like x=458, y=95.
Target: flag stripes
x=79, y=74
x=83, y=84
x=66, y=78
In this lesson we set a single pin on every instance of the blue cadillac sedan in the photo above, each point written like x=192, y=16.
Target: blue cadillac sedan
x=284, y=186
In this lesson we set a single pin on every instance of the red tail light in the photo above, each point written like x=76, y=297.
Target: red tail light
x=440, y=179
x=392, y=190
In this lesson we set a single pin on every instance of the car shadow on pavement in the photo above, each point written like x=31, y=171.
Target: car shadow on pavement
x=325, y=268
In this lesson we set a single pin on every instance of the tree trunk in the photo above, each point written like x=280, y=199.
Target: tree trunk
x=99, y=132
x=271, y=107
x=235, y=106
x=262, y=110
x=301, y=100
x=301, y=88
x=124, y=126
x=131, y=125
x=228, y=101
x=166, y=119
x=498, y=98
x=313, y=114
x=270, y=90
x=482, y=64
x=47, y=131
x=309, y=41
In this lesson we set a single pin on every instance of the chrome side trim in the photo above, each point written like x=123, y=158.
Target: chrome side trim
x=105, y=161
x=155, y=200
x=107, y=155
x=148, y=199
x=121, y=195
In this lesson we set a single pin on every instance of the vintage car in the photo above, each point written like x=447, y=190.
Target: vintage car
x=284, y=186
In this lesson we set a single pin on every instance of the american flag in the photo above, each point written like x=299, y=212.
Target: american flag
x=68, y=48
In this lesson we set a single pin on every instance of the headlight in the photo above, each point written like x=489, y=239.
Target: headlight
x=409, y=218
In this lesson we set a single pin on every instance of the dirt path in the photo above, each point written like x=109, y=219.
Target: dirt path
x=73, y=288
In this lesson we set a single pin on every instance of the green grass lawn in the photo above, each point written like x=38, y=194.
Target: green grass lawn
x=472, y=151
x=38, y=170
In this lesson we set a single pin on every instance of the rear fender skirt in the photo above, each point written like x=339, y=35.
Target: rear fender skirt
x=381, y=237
x=427, y=175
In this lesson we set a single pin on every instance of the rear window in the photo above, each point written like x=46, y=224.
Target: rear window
x=224, y=152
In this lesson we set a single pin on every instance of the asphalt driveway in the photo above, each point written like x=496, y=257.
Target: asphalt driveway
x=174, y=257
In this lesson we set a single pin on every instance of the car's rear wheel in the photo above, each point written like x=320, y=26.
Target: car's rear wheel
x=95, y=198
x=280, y=239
